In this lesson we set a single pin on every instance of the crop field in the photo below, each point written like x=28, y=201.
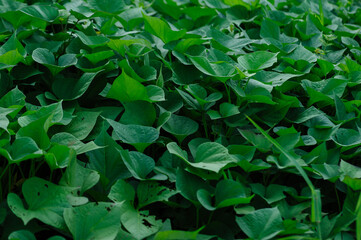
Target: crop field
x=180, y=119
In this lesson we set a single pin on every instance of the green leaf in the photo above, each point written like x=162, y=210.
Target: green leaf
x=96, y=57
x=155, y=93
x=227, y=193
x=45, y=57
x=222, y=70
x=98, y=221
x=107, y=161
x=324, y=90
x=45, y=200
x=79, y=177
x=72, y=88
x=228, y=109
x=11, y=58
x=212, y=156
x=138, y=164
x=59, y=156
x=21, y=235
x=347, y=137
x=43, y=12
x=113, y=7
x=139, y=113
x=81, y=126
x=261, y=224
x=160, y=29
x=270, y=29
x=325, y=66
x=188, y=185
x=138, y=136
x=176, y=235
x=256, y=61
x=23, y=148
x=149, y=192
x=180, y=126
x=300, y=53
x=37, y=130
x=140, y=224
x=92, y=41
x=55, y=109
x=122, y=45
x=13, y=44
x=72, y=142
x=127, y=89
x=121, y=191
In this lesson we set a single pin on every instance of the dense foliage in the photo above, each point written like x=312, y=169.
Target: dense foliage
x=180, y=119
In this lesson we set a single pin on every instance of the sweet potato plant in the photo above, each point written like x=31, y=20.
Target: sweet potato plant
x=180, y=119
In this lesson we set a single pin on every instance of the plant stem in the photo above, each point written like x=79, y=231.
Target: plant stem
x=170, y=57
x=205, y=124
x=338, y=199
x=10, y=180
x=197, y=217
x=210, y=217
x=228, y=92
x=4, y=170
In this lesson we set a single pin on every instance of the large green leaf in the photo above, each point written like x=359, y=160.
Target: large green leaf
x=45, y=200
x=107, y=160
x=107, y=6
x=149, y=192
x=55, y=109
x=210, y=156
x=72, y=142
x=138, y=136
x=23, y=148
x=37, y=130
x=77, y=126
x=127, y=89
x=92, y=41
x=98, y=221
x=227, y=193
x=122, y=191
x=188, y=185
x=159, y=28
x=59, y=156
x=138, y=164
x=43, y=12
x=261, y=224
x=139, y=113
x=71, y=88
x=180, y=126
x=140, y=224
x=221, y=69
x=256, y=61
x=45, y=57
x=79, y=177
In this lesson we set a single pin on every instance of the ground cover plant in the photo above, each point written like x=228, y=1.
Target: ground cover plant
x=180, y=119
